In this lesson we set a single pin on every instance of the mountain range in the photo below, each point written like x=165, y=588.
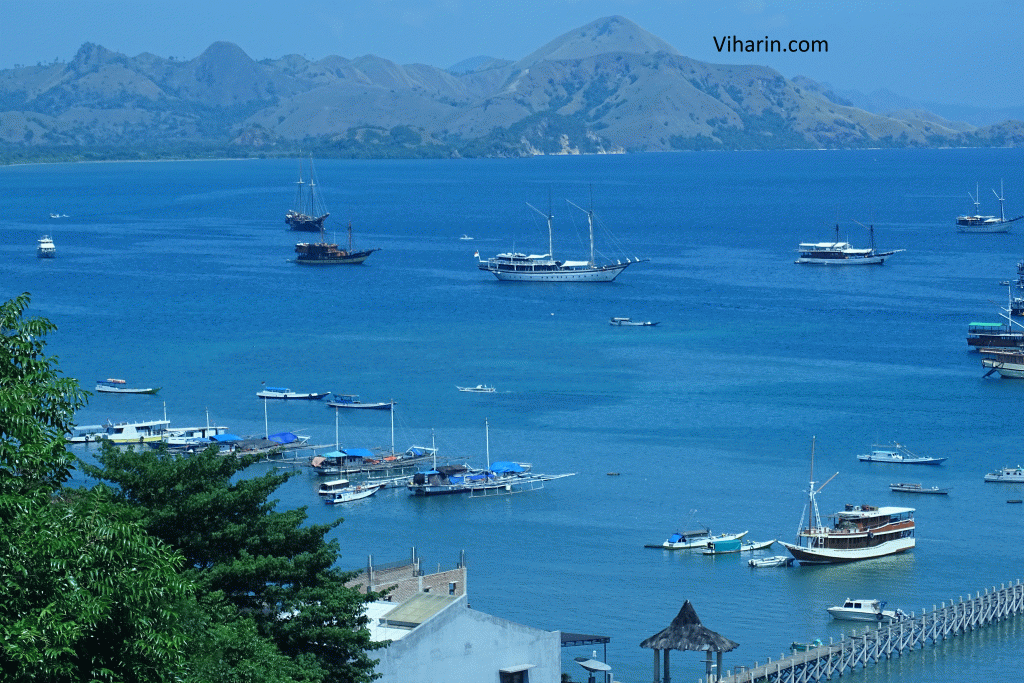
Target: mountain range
x=609, y=86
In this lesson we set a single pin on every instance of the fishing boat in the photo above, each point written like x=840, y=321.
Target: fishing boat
x=865, y=610
x=498, y=478
x=985, y=224
x=324, y=254
x=120, y=386
x=1007, y=475
x=860, y=532
x=517, y=267
x=917, y=488
x=1008, y=363
x=309, y=212
x=121, y=432
x=478, y=389
x=841, y=253
x=898, y=454
x=351, y=493
x=46, y=248
x=287, y=394
x=694, y=540
x=735, y=546
x=628, y=322
x=352, y=401
x=772, y=561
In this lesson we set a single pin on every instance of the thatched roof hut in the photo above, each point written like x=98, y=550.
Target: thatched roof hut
x=686, y=632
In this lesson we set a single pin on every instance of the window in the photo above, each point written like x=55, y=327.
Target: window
x=515, y=676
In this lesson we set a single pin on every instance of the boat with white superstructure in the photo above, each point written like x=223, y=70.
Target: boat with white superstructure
x=284, y=393
x=1007, y=475
x=122, y=432
x=518, y=267
x=696, y=540
x=841, y=253
x=986, y=224
x=865, y=610
x=46, y=248
x=898, y=454
x=859, y=532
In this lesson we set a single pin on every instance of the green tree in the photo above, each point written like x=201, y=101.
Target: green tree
x=249, y=560
x=85, y=594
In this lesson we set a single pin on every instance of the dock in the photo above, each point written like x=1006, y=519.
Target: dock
x=885, y=641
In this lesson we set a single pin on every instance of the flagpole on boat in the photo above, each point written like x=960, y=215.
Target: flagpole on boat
x=336, y=442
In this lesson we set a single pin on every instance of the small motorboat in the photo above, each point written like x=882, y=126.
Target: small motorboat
x=352, y=401
x=773, y=561
x=120, y=386
x=804, y=647
x=629, y=322
x=695, y=540
x=478, y=389
x=917, y=488
x=285, y=394
x=351, y=493
x=865, y=610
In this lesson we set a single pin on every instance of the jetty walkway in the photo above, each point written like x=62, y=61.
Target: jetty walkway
x=887, y=640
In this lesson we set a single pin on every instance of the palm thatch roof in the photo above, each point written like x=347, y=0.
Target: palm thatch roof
x=687, y=633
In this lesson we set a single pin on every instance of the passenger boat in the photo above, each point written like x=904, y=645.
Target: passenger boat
x=351, y=493
x=841, y=253
x=917, y=488
x=478, y=389
x=693, y=540
x=773, y=561
x=1010, y=475
x=323, y=254
x=627, y=322
x=899, y=455
x=865, y=610
x=46, y=248
x=352, y=401
x=860, y=532
x=735, y=546
x=1008, y=363
x=516, y=267
x=120, y=386
x=122, y=432
x=984, y=336
x=985, y=224
x=309, y=212
x=288, y=394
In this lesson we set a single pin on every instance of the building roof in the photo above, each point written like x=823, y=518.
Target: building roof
x=686, y=632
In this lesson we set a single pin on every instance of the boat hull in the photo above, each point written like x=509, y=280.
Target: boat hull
x=353, y=258
x=1004, y=368
x=290, y=396
x=565, y=274
x=114, y=390
x=876, y=259
x=840, y=556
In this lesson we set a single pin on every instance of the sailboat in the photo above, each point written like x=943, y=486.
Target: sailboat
x=309, y=212
x=321, y=253
x=979, y=223
x=516, y=267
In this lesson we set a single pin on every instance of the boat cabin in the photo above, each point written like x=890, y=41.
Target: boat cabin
x=329, y=488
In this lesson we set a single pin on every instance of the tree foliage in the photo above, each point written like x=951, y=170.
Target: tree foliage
x=85, y=594
x=251, y=561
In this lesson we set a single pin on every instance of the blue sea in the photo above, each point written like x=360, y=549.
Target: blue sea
x=177, y=274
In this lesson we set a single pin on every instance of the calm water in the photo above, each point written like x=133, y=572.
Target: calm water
x=176, y=275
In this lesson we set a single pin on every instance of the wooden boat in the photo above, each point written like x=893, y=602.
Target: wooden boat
x=309, y=213
x=917, y=488
x=898, y=454
x=120, y=386
x=773, y=561
x=287, y=394
x=860, y=532
x=629, y=322
x=695, y=540
x=735, y=546
x=841, y=253
x=986, y=224
x=352, y=401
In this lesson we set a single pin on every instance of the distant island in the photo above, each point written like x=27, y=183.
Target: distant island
x=607, y=87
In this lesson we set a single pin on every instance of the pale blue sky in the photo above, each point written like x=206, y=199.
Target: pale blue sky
x=932, y=50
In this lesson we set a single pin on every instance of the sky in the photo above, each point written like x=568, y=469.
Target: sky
x=928, y=50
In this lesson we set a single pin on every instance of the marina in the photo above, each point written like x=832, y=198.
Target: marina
x=751, y=358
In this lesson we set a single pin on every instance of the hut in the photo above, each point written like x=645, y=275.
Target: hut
x=687, y=633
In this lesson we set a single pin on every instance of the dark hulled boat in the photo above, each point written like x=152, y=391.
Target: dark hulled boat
x=322, y=253
x=309, y=212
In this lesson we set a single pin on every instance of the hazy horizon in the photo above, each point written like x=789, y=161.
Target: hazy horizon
x=928, y=51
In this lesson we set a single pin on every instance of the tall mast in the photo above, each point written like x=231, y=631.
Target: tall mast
x=810, y=502
x=590, y=223
x=550, y=217
x=1000, y=196
x=487, y=440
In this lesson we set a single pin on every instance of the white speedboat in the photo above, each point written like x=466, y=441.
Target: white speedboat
x=46, y=248
x=773, y=561
x=343, y=491
x=865, y=610
x=1012, y=475
x=282, y=393
x=478, y=389
x=517, y=267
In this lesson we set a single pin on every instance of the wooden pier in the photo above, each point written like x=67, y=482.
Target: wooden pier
x=887, y=640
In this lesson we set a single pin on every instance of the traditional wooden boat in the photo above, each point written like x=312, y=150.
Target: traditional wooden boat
x=120, y=386
x=917, y=488
x=287, y=394
x=695, y=540
x=735, y=546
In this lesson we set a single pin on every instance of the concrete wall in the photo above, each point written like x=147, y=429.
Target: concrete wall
x=461, y=644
